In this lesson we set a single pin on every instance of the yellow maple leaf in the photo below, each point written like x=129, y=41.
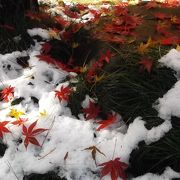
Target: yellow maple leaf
x=54, y=33
x=173, y=19
x=43, y=113
x=15, y=113
x=178, y=47
x=75, y=45
x=83, y=69
x=99, y=78
x=143, y=48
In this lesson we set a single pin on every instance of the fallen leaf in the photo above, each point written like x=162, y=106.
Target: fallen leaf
x=109, y=121
x=46, y=48
x=160, y=16
x=115, y=168
x=30, y=134
x=146, y=64
x=63, y=93
x=3, y=129
x=7, y=93
x=19, y=121
x=151, y=5
x=94, y=150
x=15, y=113
x=92, y=111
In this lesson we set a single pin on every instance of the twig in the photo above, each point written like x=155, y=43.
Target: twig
x=114, y=149
x=47, y=154
x=48, y=131
x=9, y=165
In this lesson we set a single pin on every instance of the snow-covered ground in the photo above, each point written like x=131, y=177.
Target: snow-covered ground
x=66, y=134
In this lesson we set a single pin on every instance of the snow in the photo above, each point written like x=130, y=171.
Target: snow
x=172, y=60
x=167, y=175
x=168, y=105
x=39, y=32
x=66, y=133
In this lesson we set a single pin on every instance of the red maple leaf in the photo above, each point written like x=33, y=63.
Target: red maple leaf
x=170, y=41
x=69, y=12
x=160, y=16
x=92, y=111
x=61, y=21
x=104, y=123
x=106, y=57
x=3, y=129
x=30, y=134
x=115, y=168
x=162, y=29
x=46, y=58
x=64, y=93
x=19, y=121
x=7, y=93
x=46, y=48
x=151, y=4
x=33, y=15
x=146, y=64
x=120, y=10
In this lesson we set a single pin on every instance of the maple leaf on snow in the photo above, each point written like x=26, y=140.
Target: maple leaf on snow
x=15, y=113
x=7, y=93
x=63, y=93
x=115, y=168
x=109, y=121
x=19, y=121
x=94, y=150
x=146, y=64
x=91, y=111
x=30, y=134
x=3, y=129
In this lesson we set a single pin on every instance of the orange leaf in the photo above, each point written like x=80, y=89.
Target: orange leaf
x=94, y=150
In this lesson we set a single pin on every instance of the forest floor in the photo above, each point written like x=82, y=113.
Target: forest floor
x=90, y=92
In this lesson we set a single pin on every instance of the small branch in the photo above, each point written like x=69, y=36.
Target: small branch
x=9, y=165
x=48, y=131
x=114, y=149
x=47, y=154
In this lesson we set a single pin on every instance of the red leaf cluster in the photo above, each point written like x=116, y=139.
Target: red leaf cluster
x=98, y=65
